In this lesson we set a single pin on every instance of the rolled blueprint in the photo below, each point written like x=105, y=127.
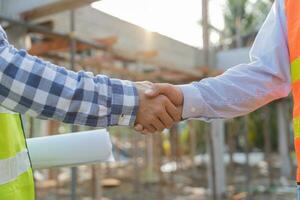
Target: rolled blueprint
x=70, y=149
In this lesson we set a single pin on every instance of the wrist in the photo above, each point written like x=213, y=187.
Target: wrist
x=124, y=103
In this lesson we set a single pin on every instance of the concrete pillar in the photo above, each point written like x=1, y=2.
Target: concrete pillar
x=216, y=171
x=285, y=166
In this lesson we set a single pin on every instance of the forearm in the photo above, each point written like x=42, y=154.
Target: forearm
x=246, y=87
x=237, y=92
x=30, y=85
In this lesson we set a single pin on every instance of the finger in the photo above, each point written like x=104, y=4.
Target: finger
x=171, y=91
x=139, y=127
x=159, y=126
x=166, y=119
x=150, y=129
x=173, y=111
x=157, y=89
x=180, y=110
x=147, y=132
x=148, y=83
x=154, y=91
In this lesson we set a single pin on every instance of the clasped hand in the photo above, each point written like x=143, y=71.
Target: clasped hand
x=160, y=106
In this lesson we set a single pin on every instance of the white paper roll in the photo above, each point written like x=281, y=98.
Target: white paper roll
x=70, y=149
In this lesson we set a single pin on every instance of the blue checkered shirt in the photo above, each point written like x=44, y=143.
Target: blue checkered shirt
x=44, y=90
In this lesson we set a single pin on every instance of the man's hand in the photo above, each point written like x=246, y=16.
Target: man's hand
x=156, y=112
x=172, y=92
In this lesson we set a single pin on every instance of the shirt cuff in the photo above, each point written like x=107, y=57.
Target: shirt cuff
x=124, y=103
x=193, y=104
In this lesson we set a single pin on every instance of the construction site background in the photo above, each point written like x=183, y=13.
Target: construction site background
x=250, y=157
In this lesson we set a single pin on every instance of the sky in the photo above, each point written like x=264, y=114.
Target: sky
x=178, y=19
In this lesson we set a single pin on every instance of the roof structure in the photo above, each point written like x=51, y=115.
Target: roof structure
x=106, y=44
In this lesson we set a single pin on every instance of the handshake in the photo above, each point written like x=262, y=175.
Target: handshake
x=160, y=106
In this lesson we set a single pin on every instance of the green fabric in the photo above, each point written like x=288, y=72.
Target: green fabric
x=12, y=141
x=296, y=125
x=295, y=70
x=20, y=189
x=11, y=135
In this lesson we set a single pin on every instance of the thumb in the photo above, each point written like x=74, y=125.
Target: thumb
x=152, y=92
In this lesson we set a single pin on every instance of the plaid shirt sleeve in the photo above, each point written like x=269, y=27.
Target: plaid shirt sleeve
x=30, y=85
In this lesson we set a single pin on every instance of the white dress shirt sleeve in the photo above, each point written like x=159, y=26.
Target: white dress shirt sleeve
x=246, y=87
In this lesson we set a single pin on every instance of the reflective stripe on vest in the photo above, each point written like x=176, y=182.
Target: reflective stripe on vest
x=292, y=8
x=13, y=167
x=16, y=179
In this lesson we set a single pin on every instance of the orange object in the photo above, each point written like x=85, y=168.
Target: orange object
x=292, y=8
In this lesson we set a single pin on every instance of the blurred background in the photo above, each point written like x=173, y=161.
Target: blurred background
x=181, y=41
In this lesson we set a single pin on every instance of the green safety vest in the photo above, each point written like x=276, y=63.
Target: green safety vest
x=16, y=179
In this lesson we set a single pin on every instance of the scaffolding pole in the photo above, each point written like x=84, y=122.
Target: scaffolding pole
x=205, y=31
x=74, y=128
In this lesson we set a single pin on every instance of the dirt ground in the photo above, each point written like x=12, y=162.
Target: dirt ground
x=182, y=185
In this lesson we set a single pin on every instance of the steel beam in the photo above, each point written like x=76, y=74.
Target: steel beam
x=41, y=29
x=55, y=7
